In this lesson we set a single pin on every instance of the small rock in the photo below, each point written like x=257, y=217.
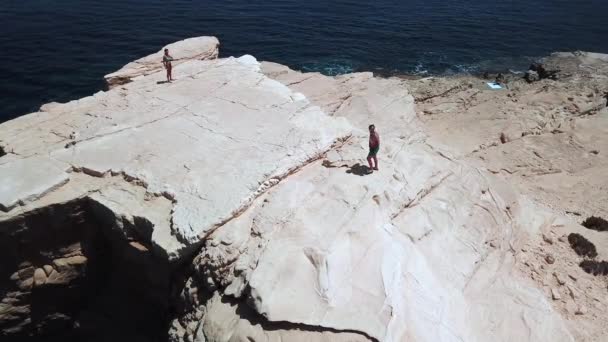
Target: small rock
x=581, y=310
x=493, y=244
x=76, y=260
x=555, y=294
x=572, y=277
x=572, y=292
x=39, y=277
x=138, y=246
x=547, y=238
x=571, y=307
x=560, y=278
x=376, y=199
x=48, y=269
x=26, y=284
x=595, y=152
x=503, y=138
x=563, y=238
x=524, y=249
x=550, y=259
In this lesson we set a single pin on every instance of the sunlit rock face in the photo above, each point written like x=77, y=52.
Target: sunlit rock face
x=235, y=203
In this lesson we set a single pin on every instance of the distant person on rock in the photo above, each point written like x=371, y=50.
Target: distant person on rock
x=167, y=59
x=374, y=147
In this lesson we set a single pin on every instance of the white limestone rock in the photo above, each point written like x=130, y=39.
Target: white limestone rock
x=396, y=255
x=198, y=48
x=221, y=119
x=261, y=170
x=25, y=180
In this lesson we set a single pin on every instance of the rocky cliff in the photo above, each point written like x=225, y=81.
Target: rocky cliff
x=234, y=205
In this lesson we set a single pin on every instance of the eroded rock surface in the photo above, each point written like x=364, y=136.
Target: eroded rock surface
x=237, y=200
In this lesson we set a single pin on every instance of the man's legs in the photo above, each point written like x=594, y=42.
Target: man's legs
x=369, y=161
x=375, y=162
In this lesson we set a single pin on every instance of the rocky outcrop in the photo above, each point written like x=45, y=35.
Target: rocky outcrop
x=199, y=48
x=232, y=204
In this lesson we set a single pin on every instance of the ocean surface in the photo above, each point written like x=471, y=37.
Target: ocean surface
x=59, y=50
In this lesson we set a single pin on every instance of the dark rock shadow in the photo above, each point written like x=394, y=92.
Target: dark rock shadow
x=359, y=170
x=582, y=246
x=596, y=223
x=116, y=290
x=595, y=267
x=244, y=311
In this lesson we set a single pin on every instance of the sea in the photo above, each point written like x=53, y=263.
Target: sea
x=59, y=50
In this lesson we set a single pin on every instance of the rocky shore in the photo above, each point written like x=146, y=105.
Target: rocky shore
x=234, y=205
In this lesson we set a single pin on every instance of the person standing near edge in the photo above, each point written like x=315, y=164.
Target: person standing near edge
x=167, y=59
x=374, y=147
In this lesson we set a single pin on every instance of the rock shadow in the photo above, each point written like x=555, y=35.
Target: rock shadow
x=596, y=223
x=359, y=170
x=73, y=277
x=595, y=267
x=582, y=246
x=245, y=311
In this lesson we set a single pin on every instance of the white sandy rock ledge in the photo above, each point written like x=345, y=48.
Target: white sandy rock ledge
x=211, y=142
x=257, y=169
x=421, y=251
x=197, y=48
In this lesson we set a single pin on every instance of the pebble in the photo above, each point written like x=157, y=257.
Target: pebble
x=571, y=307
x=581, y=310
x=572, y=277
x=560, y=278
x=48, y=269
x=548, y=239
x=39, y=277
x=563, y=238
x=550, y=259
x=555, y=294
x=572, y=291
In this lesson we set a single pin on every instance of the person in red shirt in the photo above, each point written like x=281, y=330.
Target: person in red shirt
x=374, y=147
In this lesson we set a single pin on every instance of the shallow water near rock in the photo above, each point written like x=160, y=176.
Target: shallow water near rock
x=59, y=51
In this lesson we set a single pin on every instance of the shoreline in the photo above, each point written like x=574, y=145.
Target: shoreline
x=384, y=74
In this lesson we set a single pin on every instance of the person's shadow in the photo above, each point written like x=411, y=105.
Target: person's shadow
x=359, y=170
x=162, y=82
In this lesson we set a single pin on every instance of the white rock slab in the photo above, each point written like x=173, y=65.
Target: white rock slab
x=197, y=48
x=28, y=179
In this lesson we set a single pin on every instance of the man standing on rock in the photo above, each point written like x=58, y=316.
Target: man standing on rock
x=374, y=147
x=167, y=59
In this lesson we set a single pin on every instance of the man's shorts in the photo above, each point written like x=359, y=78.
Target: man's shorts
x=373, y=151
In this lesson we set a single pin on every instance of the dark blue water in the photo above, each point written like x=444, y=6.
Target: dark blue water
x=59, y=50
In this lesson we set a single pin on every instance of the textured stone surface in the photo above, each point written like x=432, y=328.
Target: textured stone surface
x=220, y=120
x=241, y=189
x=198, y=48
x=26, y=180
